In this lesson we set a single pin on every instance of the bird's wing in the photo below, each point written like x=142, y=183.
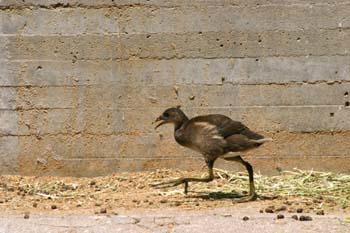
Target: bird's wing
x=225, y=126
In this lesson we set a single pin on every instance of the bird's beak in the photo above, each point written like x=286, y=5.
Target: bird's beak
x=162, y=121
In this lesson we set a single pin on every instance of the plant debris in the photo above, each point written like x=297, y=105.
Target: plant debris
x=309, y=190
x=304, y=184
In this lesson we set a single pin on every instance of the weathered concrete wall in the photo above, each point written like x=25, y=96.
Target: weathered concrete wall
x=81, y=81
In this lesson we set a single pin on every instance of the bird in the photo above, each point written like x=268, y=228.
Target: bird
x=214, y=136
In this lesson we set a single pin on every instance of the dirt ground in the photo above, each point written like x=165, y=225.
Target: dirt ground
x=131, y=191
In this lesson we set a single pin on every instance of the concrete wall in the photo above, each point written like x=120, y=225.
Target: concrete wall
x=81, y=81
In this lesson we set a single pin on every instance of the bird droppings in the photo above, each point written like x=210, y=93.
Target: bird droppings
x=295, y=217
x=53, y=207
x=245, y=218
x=280, y=216
x=305, y=218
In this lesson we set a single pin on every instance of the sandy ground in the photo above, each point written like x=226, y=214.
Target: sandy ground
x=125, y=202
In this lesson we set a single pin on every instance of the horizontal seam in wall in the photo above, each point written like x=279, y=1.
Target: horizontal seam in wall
x=238, y=84
x=145, y=33
x=60, y=5
x=186, y=107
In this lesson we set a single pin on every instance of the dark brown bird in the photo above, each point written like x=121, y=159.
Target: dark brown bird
x=213, y=136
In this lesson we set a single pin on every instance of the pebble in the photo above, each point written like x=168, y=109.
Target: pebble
x=269, y=210
x=35, y=204
x=280, y=216
x=305, y=218
x=177, y=203
x=26, y=215
x=320, y=212
x=92, y=182
x=53, y=207
x=103, y=210
x=98, y=204
x=295, y=217
x=245, y=218
x=300, y=210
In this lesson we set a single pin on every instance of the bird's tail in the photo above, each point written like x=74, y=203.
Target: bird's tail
x=263, y=140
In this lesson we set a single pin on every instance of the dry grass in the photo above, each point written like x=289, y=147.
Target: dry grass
x=131, y=190
x=309, y=184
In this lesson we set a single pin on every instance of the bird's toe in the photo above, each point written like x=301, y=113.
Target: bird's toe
x=167, y=184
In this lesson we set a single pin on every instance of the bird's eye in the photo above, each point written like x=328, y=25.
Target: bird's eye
x=166, y=115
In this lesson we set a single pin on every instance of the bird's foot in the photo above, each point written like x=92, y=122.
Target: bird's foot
x=171, y=183
x=250, y=197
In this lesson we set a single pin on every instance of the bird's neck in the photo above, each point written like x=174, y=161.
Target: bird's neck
x=181, y=122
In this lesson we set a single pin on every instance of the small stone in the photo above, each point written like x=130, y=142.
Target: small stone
x=295, y=217
x=114, y=212
x=26, y=215
x=305, y=218
x=103, y=210
x=35, y=204
x=78, y=205
x=92, y=183
x=320, y=212
x=177, y=203
x=192, y=97
x=269, y=210
x=245, y=218
x=261, y=211
x=163, y=201
x=300, y=210
x=53, y=207
x=98, y=204
x=287, y=202
x=280, y=216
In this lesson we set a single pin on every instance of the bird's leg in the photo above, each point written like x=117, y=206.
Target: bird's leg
x=252, y=194
x=186, y=180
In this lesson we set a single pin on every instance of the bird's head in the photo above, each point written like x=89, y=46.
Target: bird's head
x=171, y=115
